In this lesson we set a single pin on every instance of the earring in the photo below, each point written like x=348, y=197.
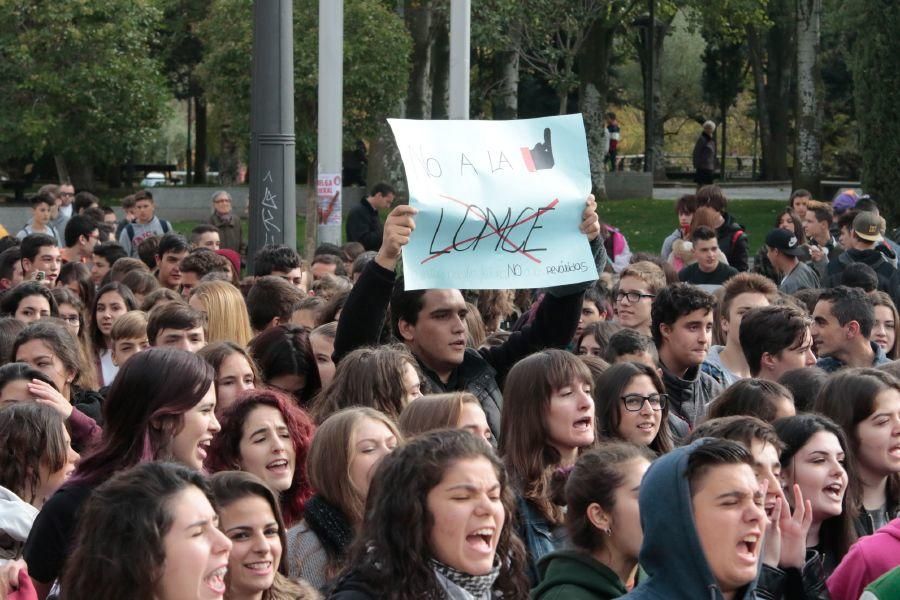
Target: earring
x=608, y=531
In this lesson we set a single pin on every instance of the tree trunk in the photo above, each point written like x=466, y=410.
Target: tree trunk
x=82, y=175
x=754, y=45
x=654, y=134
x=657, y=127
x=506, y=101
x=418, y=20
x=780, y=61
x=62, y=172
x=593, y=67
x=229, y=158
x=114, y=175
x=440, y=71
x=723, y=110
x=808, y=154
x=189, y=153
x=312, y=213
x=385, y=163
x=200, y=140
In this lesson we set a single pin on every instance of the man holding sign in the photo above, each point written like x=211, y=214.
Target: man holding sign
x=432, y=324
x=494, y=205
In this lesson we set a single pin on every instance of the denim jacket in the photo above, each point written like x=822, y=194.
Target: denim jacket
x=539, y=536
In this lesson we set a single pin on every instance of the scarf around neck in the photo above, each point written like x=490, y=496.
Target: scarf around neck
x=330, y=526
x=475, y=586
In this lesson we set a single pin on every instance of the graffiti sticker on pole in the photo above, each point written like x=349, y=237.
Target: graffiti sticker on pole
x=500, y=203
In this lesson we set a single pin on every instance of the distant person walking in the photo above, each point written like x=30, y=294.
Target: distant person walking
x=615, y=136
x=705, y=155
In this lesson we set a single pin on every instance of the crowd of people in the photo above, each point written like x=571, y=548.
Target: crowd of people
x=701, y=423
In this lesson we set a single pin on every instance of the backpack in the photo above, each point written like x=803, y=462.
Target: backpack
x=130, y=229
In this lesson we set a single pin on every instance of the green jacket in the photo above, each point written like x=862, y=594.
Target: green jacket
x=885, y=587
x=574, y=575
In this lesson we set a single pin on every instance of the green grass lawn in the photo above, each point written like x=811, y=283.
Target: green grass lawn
x=645, y=223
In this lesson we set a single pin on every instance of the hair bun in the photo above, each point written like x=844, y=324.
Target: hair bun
x=558, y=484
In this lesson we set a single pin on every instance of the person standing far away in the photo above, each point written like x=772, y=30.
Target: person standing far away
x=705, y=155
x=228, y=222
x=823, y=247
x=146, y=224
x=615, y=136
x=41, y=207
x=65, y=210
x=799, y=202
x=363, y=224
x=707, y=272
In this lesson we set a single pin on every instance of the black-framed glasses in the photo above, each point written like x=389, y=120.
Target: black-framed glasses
x=634, y=402
x=633, y=297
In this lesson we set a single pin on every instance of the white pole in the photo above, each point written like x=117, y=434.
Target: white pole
x=460, y=57
x=331, y=99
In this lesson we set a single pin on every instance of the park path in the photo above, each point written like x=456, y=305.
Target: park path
x=761, y=192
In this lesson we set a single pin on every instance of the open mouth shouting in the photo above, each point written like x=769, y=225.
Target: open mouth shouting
x=215, y=580
x=482, y=540
x=584, y=424
x=748, y=548
x=894, y=452
x=834, y=491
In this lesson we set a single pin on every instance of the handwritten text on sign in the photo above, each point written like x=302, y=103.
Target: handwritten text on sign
x=499, y=203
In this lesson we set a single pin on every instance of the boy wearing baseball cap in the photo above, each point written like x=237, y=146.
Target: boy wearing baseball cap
x=783, y=250
x=865, y=246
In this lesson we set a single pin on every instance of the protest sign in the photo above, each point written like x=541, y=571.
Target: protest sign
x=500, y=203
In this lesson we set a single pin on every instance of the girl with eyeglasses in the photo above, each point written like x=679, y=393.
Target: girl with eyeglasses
x=632, y=406
x=74, y=312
